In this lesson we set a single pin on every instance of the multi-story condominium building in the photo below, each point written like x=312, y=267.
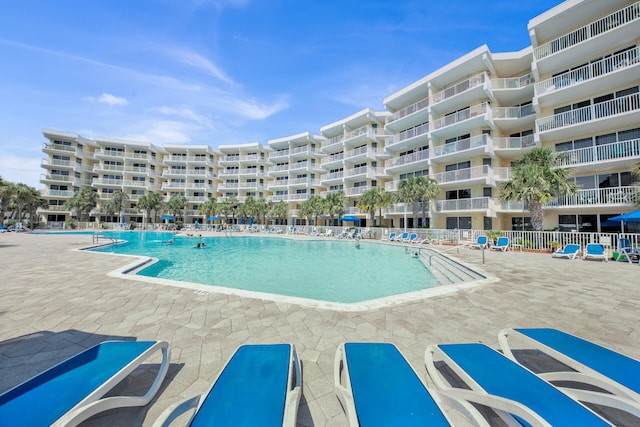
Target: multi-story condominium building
x=574, y=90
x=68, y=167
x=354, y=151
x=190, y=171
x=242, y=171
x=462, y=125
x=586, y=64
x=294, y=170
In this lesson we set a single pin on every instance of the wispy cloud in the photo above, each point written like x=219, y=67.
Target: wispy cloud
x=107, y=98
x=198, y=61
x=184, y=113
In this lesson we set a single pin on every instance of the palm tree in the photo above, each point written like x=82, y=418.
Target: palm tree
x=208, y=208
x=176, y=204
x=312, y=208
x=334, y=204
x=7, y=190
x=262, y=206
x=537, y=180
x=367, y=203
x=114, y=204
x=431, y=190
x=229, y=206
x=150, y=202
x=280, y=210
x=415, y=190
x=24, y=197
x=83, y=201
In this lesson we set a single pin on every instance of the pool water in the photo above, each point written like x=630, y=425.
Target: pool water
x=325, y=270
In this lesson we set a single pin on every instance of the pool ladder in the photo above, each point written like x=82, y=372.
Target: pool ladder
x=96, y=238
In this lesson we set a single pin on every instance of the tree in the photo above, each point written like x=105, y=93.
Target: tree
x=229, y=206
x=334, y=204
x=415, y=190
x=115, y=203
x=83, y=202
x=176, y=204
x=312, y=208
x=431, y=190
x=261, y=208
x=537, y=180
x=208, y=208
x=280, y=210
x=367, y=203
x=151, y=202
x=24, y=197
x=7, y=190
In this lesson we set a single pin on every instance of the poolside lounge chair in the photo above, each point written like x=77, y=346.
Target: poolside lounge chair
x=570, y=251
x=595, y=250
x=412, y=238
x=376, y=386
x=389, y=238
x=481, y=242
x=511, y=390
x=260, y=385
x=404, y=236
x=590, y=363
x=501, y=245
x=73, y=390
x=626, y=251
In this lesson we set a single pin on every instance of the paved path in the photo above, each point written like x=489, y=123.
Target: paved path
x=54, y=302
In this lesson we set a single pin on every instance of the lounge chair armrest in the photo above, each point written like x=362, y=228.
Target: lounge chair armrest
x=604, y=399
x=294, y=391
x=605, y=384
x=343, y=392
x=169, y=415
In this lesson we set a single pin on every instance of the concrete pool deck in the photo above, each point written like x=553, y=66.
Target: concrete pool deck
x=55, y=302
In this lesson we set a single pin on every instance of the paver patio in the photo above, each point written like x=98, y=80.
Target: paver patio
x=54, y=302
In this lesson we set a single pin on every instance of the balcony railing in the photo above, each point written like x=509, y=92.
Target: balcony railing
x=512, y=112
x=279, y=154
x=357, y=191
x=608, y=23
x=56, y=193
x=333, y=158
x=513, y=143
x=473, y=204
x=590, y=71
x=463, y=174
x=406, y=111
x=332, y=141
x=418, y=156
x=461, y=116
x=598, y=196
x=597, y=111
x=461, y=145
x=513, y=82
x=408, y=134
x=602, y=153
x=458, y=88
x=333, y=175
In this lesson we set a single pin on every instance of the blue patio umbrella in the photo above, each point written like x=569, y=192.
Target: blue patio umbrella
x=624, y=218
x=350, y=218
x=167, y=218
x=213, y=218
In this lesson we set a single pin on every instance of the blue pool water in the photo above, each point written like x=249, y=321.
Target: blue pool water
x=326, y=270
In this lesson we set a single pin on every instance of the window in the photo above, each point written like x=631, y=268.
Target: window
x=458, y=223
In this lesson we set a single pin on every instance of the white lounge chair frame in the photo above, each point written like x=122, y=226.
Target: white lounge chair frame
x=621, y=397
x=565, y=254
x=94, y=403
x=603, y=256
x=292, y=398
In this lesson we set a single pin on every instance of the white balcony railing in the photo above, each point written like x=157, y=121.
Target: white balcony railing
x=333, y=158
x=417, y=156
x=598, y=196
x=464, y=174
x=422, y=129
x=512, y=82
x=601, y=153
x=406, y=111
x=590, y=71
x=458, y=88
x=461, y=116
x=461, y=145
x=608, y=23
x=513, y=143
x=597, y=111
x=512, y=112
x=472, y=204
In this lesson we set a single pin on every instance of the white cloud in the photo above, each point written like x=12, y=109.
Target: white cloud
x=164, y=132
x=200, y=62
x=107, y=98
x=184, y=113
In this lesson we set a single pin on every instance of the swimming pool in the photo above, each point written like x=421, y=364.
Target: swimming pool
x=325, y=270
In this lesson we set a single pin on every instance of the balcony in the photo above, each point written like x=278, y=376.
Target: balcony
x=278, y=170
x=53, y=148
x=606, y=33
x=280, y=154
x=363, y=153
x=512, y=147
x=461, y=121
x=619, y=197
x=363, y=134
x=621, y=69
x=57, y=163
x=475, y=175
x=476, y=204
x=332, y=142
x=462, y=149
x=409, y=138
x=169, y=186
x=289, y=197
x=509, y=91
x=280, y=184
x=619, y=112
x=622, y=154
x=333, y=176
x=461, y=93
x=332, y=159
x=362, y=172
x=357, y=191
x=109, y=154
x=299, y=166
x=510, y=119
x=410, y=113
x=304, y=151
x=418, y=159
x=107, y=182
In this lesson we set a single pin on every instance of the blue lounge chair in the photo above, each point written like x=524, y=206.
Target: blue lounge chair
x=592, y=364
x=501, y=245
x=626, y=252
x=260, y=385
x=595, y=250
x=413, y=238
x=73, y=390
x=481, y=242
x=512, y=391
x=377, y=386
x=570, y=251
x=389, y=238
x=404, y=236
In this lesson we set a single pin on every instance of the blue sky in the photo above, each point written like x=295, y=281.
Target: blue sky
x=218, y=72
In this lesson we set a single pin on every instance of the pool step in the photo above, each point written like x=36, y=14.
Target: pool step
x=447, y=270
